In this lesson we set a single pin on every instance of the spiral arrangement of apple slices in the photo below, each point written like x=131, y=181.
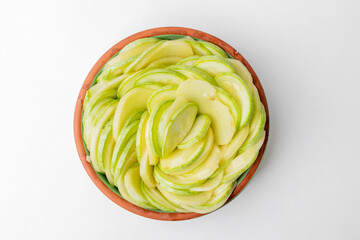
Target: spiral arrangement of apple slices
x=173, y=124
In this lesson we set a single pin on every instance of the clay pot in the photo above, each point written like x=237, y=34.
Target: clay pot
x=79, y=104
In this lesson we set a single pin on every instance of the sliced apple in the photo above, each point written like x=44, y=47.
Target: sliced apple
x=257, y=124
x=230, y=102
x=242, y=162
x=197, y=48
x=209, y=185
x=120, y=183
x=162, y=76
x=179, y=114
x=136, y=115
x=95, y=133
x=164, y=62
x=154, y=120
x=103, y=139
x=107, y=155
x=214, y=65
x=209, y=143
x=218, y=198
x=91, y=102
x=140, y=135
x=193, y=73
x=127, y=153
x=160, y=50
x=181, y=158
x=176, y=181
x=214, y=49
x=134, y=100
x=132, y=49
x=238, y=89
x=90, y=119
x=132, y=181
x=178, y=127
x=197, y=132
x=242, y=71
x=189, y=61
x=153, y=159
x=125, y=135
x=115, y=70
x=232, y=147
x=204, y=95
x=180, y=200
x=128, y=82
x=162, y=94
x=157, y=199
x=146, y=171
x=182, y=192
x=206, y=168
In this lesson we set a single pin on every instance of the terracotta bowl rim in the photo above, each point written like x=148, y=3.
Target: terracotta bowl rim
x=98, y=65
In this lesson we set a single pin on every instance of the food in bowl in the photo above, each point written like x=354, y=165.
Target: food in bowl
x=173, y=124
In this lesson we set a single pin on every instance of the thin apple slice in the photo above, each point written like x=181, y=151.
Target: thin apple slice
x=181, y=158
x=157, y=199
x=146, y=171
x=193, y=73
x=105, y=136
x=128, y=82
x=120, y=183
x=218, y=198
x=230, y=102
x=176, y=127
x=153, y=159
x=243, y=161
x=209, y=185
x=214, y=65
x=189, y=61
x=238, y=89
x=95, y=133
x=164, y=62
x=140, y=135
x=209, y=143
x=165, y=119
x=242, y=71
x=132, y=49
x=160, y=50
x=134, y=100
x=132, y=181
x=121, y=142
x=136, y=115
x=126, y=155
x=257, y=123
x=154, y=120
x=197, y=48
x=99, y=89
x=214, y=49
x=233, y=146
x=180, y=200
x=204, y=95
x=182, y=192
x=206, y=168
x=161, y=76
x=160, y=95
x=115, y=70
x=176, y=181
x=90, y=119
x=197, y=132
x=91, y=102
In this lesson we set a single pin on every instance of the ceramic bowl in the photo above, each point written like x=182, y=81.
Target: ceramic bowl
x=99, y=180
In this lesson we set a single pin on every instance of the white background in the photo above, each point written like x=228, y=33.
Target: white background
x=306, y=54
